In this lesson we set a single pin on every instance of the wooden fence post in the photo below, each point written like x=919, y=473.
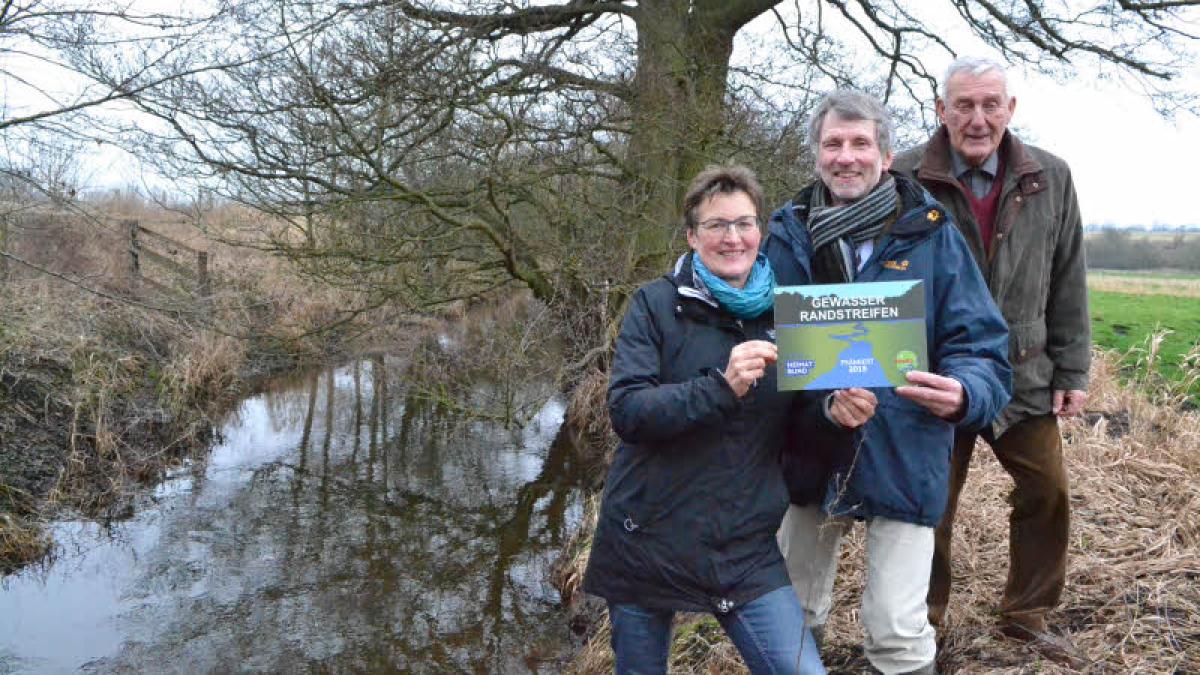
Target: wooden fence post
x=202, y=276
x=3, y=247
x=134, y=267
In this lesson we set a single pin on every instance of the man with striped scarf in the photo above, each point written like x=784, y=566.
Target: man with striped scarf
x=860, y=223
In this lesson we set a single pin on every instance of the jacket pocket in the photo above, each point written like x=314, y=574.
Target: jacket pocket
x=1032, y=367
x=1027, y=340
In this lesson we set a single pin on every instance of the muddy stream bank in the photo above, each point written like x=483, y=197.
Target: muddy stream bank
x=337, y=525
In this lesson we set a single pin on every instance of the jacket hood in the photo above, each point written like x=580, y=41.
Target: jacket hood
x=687, y=283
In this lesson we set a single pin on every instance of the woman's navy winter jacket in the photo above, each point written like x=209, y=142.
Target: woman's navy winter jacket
x=900, y=470
x=695, y=492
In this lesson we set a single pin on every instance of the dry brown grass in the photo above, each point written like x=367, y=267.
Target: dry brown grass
x=20, y=537
x=20, y=540
x=591, y=427
x=1144, y=284
x=1132, y=603
x=98, y=394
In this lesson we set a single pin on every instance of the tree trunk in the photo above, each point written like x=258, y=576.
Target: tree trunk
x=684, y=47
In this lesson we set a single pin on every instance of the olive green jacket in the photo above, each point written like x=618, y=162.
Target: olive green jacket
x=1035, y=270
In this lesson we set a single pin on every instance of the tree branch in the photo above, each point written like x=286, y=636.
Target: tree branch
x=517, y=22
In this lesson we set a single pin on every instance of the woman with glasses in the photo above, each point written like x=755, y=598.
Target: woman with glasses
x=695, y=492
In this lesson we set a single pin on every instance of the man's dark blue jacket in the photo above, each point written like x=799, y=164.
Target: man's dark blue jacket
x=898, y=465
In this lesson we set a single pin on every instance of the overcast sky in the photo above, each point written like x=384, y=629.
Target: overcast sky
x=1130, y=165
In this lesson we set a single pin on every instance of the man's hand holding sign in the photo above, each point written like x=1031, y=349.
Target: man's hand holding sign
x=942, y=396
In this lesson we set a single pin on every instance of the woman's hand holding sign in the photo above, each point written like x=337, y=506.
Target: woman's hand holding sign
x=748, y=362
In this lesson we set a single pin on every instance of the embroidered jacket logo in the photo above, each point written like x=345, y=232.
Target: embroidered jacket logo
x=900, y=266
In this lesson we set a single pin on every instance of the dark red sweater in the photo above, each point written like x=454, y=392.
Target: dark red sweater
x=984, y=208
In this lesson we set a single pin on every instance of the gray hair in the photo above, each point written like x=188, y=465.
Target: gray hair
x=972, y=65
x=852, y=105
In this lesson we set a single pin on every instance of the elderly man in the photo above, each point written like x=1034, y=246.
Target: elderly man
x=1015, y=205
x=859, y=223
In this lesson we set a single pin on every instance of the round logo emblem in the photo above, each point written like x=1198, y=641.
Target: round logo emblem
x=906, y=361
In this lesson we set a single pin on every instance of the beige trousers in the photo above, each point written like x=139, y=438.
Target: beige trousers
x=899, y=638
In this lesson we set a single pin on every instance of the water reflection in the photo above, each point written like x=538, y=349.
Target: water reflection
x=337, y=526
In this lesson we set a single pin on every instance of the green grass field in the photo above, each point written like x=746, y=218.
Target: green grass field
x=1122, y=321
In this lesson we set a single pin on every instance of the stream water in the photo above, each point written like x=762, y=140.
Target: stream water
x=338, y=526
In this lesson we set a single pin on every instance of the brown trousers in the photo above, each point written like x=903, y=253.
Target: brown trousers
x=1031, y=452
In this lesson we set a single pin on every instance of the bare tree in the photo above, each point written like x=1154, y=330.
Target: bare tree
x=424, y=152
x=49, y=49
x=53, y=108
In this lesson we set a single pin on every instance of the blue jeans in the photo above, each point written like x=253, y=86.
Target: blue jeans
x=769, y=633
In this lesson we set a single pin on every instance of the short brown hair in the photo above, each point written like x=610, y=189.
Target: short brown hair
x=722, y=179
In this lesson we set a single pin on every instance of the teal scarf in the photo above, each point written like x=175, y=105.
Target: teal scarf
x=747, y=302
